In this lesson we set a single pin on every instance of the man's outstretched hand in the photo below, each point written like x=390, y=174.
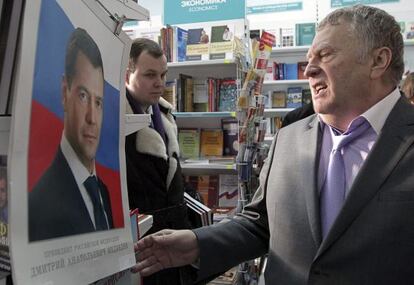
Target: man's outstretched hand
x=165, y=249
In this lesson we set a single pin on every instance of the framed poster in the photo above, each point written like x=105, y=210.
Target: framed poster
x=69, y=205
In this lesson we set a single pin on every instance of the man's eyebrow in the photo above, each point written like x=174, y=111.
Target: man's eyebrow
x=83, y=88
x=156, y=71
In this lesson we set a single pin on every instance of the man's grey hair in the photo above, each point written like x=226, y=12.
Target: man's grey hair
x=373, y=28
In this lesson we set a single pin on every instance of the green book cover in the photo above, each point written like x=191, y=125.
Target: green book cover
x=189, y=142
x=305, y=33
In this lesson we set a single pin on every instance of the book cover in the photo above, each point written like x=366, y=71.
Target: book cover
x=182, y=91
x=278, y=99
x=188, y=95
x=211, y=142
x=198, y=47
x=294, y=97
x=227, y=95
x=170, y=93
x=291, y=71
x=189, y=142
x=287, y=36
x=230, y=128
x=409, y=31
x=301, y=69
x=221, y=46
x=305, y=32
x=228, y=190
x=205, y=212
x=200, y=95
x=180, y=44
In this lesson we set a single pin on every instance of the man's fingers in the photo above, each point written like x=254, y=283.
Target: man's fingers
x=147, y=266
x=142, y=255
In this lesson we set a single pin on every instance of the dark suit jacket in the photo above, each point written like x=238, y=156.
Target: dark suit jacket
x=372, y=239
x=298, y=114
x=56, y=206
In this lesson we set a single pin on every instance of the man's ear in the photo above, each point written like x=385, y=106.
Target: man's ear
x=381, y=61
x=63, y=88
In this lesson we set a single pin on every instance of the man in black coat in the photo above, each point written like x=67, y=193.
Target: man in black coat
x=155, y=182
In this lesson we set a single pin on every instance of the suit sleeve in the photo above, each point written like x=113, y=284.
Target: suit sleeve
x=241, y=238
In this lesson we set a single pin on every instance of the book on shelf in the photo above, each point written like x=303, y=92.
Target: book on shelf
x=291, y=71
x=198, y=44
x=189, y=142
x=166, y=42
x=294, y=97
x=409, y=31
x=306, y=96
x=273, y=124
x=279, y=71
x=211, y=142
x=301, y=69
x=207, y=186
x=221, y=46
x=170, y=93
x=200, y=95
x=184, y=93
x=305, y=32
x=227, y=95
x=180, y=44
x=230, y=127
x=287, y=36
x=278, y=99
x=228, y=190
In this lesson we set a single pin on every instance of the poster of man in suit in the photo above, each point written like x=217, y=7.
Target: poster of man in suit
x=71, y=211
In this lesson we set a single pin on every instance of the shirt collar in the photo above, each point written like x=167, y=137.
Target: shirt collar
x=378, y=113
x=80, y=172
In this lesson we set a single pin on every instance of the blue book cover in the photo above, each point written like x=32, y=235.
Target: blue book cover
x=182, y=37
x=294, y=97
x=291, y=71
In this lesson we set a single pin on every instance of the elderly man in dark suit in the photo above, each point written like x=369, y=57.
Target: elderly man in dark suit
x=341, y=209
x=69, y=198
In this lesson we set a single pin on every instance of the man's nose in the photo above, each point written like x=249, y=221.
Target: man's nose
x=91, y=113
x=312, y=70
x=159, y=81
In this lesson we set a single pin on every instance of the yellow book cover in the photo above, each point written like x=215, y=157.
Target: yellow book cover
x=211, y=142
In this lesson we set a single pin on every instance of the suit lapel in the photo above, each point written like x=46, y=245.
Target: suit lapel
x=308, y=170
x=393, y=141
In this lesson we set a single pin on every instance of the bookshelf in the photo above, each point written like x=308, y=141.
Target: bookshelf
x=218, y=68
x=273, y=112
x=286, y=82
